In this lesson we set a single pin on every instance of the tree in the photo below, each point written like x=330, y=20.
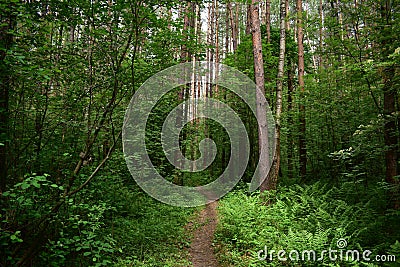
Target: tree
x=260, y=94
x=273, y=175
x=8, y=21
x=389, y=106
x=268, y=19
x=302, y=131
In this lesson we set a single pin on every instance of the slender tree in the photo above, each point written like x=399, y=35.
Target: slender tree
x=260, y=99
x=248, y=20
x=228, y=36
x=273, y=175
x=290, y=148
x=268, y=19
x=321, y=25
x=8, y=22
x=302, y=136
x=389, y=107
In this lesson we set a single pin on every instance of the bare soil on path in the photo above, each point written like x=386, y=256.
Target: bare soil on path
x=201, y=250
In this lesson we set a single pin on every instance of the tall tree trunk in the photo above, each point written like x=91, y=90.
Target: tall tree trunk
x=287, y=16
x=340, y=17
x=209, y=53
x=237, y=27
x=321, y=25
x=233, y=27
x=272, y=180
x=290, y=118
x=389, y=109
x=268, y=20
x=217, y=52
x=260, y=94
x=228, y=24
x=248, y=20
x=216, y=16
x=302, y=136
x=186, y=25
x=268, y=77
x=390, y=133
x=6, y=39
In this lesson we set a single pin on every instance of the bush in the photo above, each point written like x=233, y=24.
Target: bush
x=299, y=218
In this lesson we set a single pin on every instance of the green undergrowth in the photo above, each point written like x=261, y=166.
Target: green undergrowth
x=130, y=229
x=110, y=223
x=313, y=217
x=148, y=232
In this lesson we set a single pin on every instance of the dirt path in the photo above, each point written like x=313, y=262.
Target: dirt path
x=201, y=249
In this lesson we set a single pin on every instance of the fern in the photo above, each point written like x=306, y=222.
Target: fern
x=300, y=218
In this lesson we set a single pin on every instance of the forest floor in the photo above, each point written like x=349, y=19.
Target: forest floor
x=201, y=250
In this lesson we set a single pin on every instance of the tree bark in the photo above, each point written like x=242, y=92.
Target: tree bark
x=290, y=156
x=227, y=27
x=268, y=19
x=272, y=180
x=248, y=20
x=237, y=27
x=233, y=26
x=216, y=16
x=6, y=40
x=216, y=32
x=287, y=16
x=321, y=24
x=302, y=136
x=260, y=94
x=389, y=110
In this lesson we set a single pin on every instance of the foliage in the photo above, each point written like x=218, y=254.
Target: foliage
x=69, y=71
x=299, y=218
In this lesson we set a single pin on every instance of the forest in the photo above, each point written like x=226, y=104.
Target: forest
x=299, y=97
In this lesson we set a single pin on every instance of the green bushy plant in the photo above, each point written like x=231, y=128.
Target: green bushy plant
x=298, y=218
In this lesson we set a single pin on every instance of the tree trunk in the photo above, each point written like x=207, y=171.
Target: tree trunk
x=268, y=77
x=302, y=136
x=268, y=20
x=321, y=24
x=248, y=20
x=260, y=94
x=389, y=107
x=290, y=156
x=216, y=16
x=237, y=27
x=272, y=180
x=227, y=27
x=6, y=39
x=389, y=110
x=233, y=27
x=287, y=16
x=216, y=32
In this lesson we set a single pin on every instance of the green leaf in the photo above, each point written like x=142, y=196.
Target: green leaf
x=41, y=178
x=35, y=184
x=25, y=186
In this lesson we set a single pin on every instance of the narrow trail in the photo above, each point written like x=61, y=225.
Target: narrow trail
x=201, y=249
